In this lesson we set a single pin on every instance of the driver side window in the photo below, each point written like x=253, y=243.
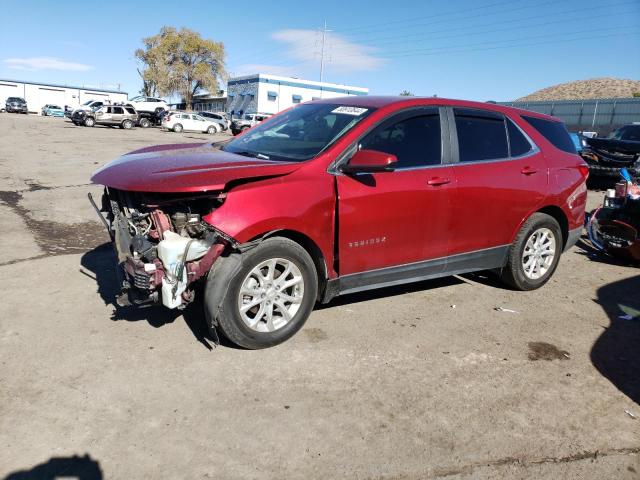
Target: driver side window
x=415, y=141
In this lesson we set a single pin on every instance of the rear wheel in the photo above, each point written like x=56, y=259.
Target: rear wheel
x=534, y=255
x=127, y=124
x=267, y=296
x=144, y=123
x=177, y=128
x=89, y=122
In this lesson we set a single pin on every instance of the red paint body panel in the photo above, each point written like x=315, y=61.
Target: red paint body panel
x=482, y=204
x=199, y=168
x=393, y=218
x=492, y=199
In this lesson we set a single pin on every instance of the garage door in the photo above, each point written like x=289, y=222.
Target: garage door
x=54, y=96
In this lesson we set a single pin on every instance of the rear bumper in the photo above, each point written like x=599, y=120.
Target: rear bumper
x=573, y=237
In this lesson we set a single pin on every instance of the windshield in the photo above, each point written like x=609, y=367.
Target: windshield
x=248, y=117
x=629, y=132
x=298, y=134
x=15, y=99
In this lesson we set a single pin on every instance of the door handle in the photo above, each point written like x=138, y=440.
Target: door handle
x=528, y=171
x=435, y=181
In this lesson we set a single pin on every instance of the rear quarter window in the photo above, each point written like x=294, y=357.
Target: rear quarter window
x=555, y=132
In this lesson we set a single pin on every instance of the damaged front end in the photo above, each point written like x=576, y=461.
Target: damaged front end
x=162, y=244
x=606, y=157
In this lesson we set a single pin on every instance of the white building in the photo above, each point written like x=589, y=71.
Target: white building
x=39, y=94
x=263, y=93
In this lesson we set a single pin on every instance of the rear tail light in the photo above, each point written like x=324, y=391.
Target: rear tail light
x=584, y=170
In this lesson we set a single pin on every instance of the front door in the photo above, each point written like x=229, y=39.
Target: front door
x=392, y=219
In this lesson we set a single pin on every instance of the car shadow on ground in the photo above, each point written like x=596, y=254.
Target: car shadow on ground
x=101, y=261
x=616, y=353
x=80, y=468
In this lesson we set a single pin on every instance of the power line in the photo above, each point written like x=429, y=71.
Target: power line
x=453, y=12
x=404, y=52
x=501, y=22
x=415, y=22
x=516, y=45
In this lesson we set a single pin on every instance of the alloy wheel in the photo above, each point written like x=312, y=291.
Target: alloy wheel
x=539, y=253
x=271, y=295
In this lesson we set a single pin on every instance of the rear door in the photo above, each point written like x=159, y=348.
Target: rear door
x=391, y=219
x=501, y=178
x=187, y=122
x=117, y=115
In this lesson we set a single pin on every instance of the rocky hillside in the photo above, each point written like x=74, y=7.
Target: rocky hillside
x=592, y=88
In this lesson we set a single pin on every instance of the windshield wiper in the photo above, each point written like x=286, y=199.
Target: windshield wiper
x=247, y=153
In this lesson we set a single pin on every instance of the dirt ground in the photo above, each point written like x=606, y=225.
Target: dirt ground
x=420, y=381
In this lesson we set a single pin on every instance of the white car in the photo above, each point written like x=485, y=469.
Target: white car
x=148, y=104
x=179, y=121
x=90, y=105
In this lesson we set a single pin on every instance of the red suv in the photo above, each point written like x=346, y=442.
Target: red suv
x=338, y=196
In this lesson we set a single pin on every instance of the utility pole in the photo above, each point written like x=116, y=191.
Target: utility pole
x=324, y=33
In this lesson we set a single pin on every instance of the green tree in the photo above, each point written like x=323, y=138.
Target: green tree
x=181, y=62
x=636, y=94
x=406, y=93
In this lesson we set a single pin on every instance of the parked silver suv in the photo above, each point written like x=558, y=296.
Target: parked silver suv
x=123, y=116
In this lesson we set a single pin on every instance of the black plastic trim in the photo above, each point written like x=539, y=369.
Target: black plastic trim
x=485, y=259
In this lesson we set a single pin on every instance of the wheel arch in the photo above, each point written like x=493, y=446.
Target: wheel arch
x=310, y=246
x=556, y=212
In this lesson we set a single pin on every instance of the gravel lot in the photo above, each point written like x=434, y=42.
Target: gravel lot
x=420, y=381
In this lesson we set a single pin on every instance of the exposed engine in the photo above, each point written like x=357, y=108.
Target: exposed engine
x=162, y=243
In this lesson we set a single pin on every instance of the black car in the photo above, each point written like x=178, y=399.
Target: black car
x=606, y=156
x=16, y=104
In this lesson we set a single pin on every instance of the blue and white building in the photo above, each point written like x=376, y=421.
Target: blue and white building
x=264, y=93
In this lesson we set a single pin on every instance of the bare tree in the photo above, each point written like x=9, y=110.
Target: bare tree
x=181, y=62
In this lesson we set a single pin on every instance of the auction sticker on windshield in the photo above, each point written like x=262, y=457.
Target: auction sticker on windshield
x=355, y=111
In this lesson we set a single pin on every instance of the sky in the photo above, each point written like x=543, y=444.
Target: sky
x=471, y=49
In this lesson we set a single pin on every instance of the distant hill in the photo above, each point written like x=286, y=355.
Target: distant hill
x=583, y=89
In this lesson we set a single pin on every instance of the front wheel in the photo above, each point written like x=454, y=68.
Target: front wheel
x=534, y=255
x=144, y=123
x=212, y=130
x=269, y=292
x=89, y=122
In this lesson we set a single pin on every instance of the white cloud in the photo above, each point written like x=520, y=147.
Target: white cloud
x=45, y=63
x=251, y=68
x=340, y=53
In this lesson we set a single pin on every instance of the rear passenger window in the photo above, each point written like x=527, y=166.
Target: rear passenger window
x=554, y=132
x=481, y=135
x=118, y=110
x=415, y=141
x=518, y=143
x=130, y=110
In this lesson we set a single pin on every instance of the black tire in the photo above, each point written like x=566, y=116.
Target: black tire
x=212, y=130
x=127, y=124
x=223, y=289
x=177, y=128
x=144, y=123
x=513, y=273
x=89, y=122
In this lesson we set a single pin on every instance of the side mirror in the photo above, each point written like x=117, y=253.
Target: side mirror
x=369, y=161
